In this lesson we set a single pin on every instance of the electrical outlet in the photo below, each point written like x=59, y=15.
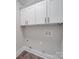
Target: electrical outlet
x=48, y=34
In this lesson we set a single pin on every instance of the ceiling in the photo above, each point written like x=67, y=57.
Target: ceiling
x=26, y=2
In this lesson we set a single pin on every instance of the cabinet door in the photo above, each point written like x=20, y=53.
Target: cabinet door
x=23, y=17
x=28, y=15
x=61, y=10
x=40, y=12
x=31, y=15
x=55, y=11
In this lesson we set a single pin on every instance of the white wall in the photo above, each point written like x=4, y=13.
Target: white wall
x=19, y=35
x=38, y=40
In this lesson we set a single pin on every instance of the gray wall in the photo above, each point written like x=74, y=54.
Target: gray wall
x=19, y=35
x=40, y=39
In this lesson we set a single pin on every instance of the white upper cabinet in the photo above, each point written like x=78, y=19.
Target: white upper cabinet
x=55, y=11
x=28, y=16
x=35, y=14
x=47, y=11
x=40, y=12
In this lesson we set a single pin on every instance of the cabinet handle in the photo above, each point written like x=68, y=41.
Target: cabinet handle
x=45, y=19
x=48, y=19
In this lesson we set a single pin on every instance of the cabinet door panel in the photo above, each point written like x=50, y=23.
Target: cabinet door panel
x=54, y=11
x=40, y=12
x=30, y=15
x=61, y=10
x=22, y=21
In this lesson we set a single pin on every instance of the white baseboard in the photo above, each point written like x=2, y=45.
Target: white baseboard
x=20, y=51
x=38, y=53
